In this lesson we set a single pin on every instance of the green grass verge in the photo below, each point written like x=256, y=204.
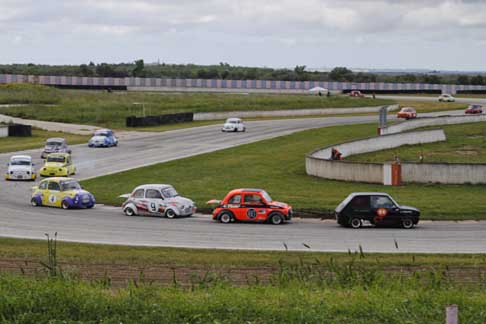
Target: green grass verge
x=37, y=140
x=111, y=109
x=374, y=300
x=466, y=143
x=431, y=106
x=210, y=258
x=277, y=165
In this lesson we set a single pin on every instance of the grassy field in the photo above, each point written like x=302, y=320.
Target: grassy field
x=38, y=139
x=425, y=106
x=355, y=297
x=277, y=165
x=465, y=143
x=110, y=109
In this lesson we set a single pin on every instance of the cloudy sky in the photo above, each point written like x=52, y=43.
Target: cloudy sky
x=434, y=34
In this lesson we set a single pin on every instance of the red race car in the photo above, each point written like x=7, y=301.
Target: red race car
x=474, y=109
x=356, y=93
x=250, y=205
x=407, y=113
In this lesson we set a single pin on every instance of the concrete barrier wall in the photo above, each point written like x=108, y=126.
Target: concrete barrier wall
x=3, y=131
x=342, y=170
x=382, y=143
x=288, y=112
x=447, y=173
x=432, y=121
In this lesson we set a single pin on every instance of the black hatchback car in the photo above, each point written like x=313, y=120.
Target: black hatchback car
x=379, y=208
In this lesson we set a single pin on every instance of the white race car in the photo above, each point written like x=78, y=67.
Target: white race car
x=157, y=200
x=446, y=98
x=21, y=167
x=233, y=125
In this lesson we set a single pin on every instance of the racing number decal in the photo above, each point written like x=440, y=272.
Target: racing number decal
x=380, y=214
x=251, y=213
x=52, y=198
x=153, y=207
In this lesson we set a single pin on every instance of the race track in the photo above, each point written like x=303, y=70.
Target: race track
x=109, y=225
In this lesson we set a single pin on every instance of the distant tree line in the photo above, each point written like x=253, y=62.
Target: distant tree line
x=225, y=71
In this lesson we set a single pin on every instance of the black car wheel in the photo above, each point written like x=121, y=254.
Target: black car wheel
x=170, y=214
x=225, y=217
x=34, y=202
x=64, y=204
x=276, y=219
x=129, y=211
x=355, y=222
x=407, y=223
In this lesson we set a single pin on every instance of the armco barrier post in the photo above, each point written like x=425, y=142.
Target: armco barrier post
x=451, y=314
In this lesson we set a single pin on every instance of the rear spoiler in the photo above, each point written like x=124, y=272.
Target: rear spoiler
x=213, y=202
x=124, y=195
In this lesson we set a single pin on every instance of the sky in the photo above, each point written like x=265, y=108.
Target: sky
x=428, y=34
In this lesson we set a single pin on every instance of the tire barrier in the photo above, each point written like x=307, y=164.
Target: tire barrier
x=19, y=130
x=133, y=121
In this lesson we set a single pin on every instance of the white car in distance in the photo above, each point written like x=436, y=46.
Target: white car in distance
x=233, y=125
x=20, y=167
x=445, y=97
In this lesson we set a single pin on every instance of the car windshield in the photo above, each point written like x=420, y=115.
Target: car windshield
x=102, y=134
x=70, y=185
x=20, y=162
x=58, y=159
x=54, y=143
x=266, y=196
x=169, y=192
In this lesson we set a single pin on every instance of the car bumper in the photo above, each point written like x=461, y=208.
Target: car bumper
x=32, y=176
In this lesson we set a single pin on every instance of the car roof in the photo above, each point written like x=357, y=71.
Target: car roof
x=103, y=130
x=154, y=186
x=55, y=139
x=345, y=202
x=242, y=190
x=21, y=157
x=233, y=118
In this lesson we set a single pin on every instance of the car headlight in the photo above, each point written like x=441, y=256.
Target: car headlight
x=28, y=172
x=11, y=172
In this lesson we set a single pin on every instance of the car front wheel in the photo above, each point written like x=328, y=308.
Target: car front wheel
x=276, y=219
x=355, y=222
x=64, y=204
x=407, y=223
x=170, y=214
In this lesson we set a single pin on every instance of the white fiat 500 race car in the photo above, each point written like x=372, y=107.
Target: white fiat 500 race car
x=20, y=167
x=233, y=125
x=157, y=200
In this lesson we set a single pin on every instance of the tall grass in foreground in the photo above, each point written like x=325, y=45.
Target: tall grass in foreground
x=305, y=292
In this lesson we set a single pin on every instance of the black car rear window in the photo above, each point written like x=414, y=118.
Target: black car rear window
x=360, y=202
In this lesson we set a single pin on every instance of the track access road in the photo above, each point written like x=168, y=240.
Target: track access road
x=105, y=224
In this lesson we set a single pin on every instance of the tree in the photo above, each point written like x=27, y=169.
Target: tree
x=85, y=70
x=477, y=80
x=139, y=71
x=341, y=74
x=462, y=79
x=105, y=70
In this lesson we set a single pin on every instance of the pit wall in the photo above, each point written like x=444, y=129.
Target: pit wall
x=289, y=112
x=432, y=121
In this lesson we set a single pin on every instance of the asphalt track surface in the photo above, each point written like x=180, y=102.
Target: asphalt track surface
x=105, y=224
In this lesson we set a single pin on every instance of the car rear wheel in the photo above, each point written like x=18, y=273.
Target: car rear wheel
x=355, y=222
x=34, y=202
x=225, y=217
x=407, y=223
x=64, y=204
x=170, y=214
x=129, y=211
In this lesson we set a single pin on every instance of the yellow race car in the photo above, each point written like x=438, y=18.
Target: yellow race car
x=61, y=192
x=58, y=165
